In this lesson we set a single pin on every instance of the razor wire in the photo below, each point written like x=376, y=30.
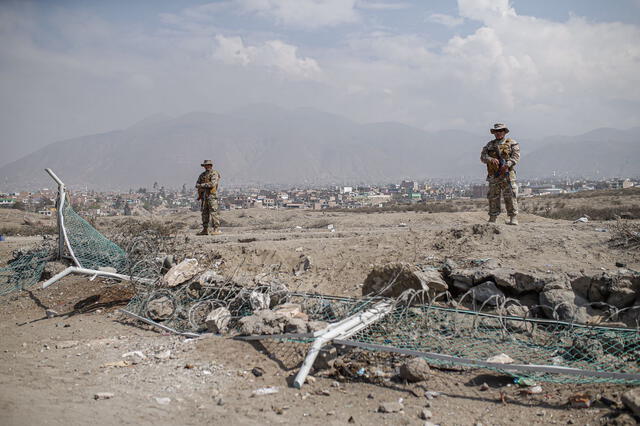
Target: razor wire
x=419, y=324
x=471, y=335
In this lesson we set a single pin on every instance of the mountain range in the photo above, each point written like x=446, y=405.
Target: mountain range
x=263, y=144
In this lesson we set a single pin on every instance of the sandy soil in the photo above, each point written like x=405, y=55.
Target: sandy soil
x=51, y=369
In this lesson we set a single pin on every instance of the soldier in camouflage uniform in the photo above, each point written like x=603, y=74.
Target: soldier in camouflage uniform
x=501, y=155
x=207, y=185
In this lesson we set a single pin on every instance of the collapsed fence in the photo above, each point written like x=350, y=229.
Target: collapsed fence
x=417, y=325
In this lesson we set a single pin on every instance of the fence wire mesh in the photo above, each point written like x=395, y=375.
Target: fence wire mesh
x=92, y=249
x=24, y=270
x=479, y=336
x=416, y=324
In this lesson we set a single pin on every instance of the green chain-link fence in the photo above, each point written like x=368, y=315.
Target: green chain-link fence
x=92, y=249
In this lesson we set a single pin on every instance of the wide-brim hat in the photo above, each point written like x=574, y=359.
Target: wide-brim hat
x=207, y=163
x=499, y=126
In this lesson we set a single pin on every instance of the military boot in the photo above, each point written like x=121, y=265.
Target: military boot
x=215, y=231
x=492, y=219
x=205, y=231
x=513, y=221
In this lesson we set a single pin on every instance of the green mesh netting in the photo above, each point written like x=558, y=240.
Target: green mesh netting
x=92, y=249
x=427, y=329
x=23, y=271
x=477, y=336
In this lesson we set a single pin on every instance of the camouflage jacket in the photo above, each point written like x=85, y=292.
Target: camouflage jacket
x=506, y=150
x=207, y=184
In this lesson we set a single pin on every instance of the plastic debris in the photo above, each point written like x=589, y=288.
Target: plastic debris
x=265, y=391
x=500, y=359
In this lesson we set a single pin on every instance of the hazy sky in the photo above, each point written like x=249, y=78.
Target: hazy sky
x=71, y=68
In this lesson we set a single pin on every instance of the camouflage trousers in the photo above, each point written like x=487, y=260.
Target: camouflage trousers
x=210, y=212
x=509, y=190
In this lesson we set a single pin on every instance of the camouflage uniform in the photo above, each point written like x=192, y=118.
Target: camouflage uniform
x=207, y=185
x=506, y=150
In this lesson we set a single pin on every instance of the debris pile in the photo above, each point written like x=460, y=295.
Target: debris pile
x=485, y=284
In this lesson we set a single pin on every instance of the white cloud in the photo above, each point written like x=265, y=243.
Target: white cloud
x=382, y=5
x=446, y=20
x=304, y=14
x=231, y=50
x=273, y=54
x=485, y=10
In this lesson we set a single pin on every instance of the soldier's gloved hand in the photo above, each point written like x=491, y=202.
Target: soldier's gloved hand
x=494, y=161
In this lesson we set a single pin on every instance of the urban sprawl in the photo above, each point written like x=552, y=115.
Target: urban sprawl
x=159, y=200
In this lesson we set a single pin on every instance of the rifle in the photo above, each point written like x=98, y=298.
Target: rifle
x=498, y=172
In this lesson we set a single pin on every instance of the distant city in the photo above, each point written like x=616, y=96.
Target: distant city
x=158, y=200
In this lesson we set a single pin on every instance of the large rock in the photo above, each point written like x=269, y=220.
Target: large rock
x=393, y=279
x=181, y=273
x=557, y=282
x=599, y=288
x=303, y=265
x=448, y=266
x=415, y=370
x=568, y=306
x=487, y=292
x=519, y=311
x=390, y=407
x=622, y=294
x=262, y=322
x=218, y=320
x=631, y=399
x=518, y=282
x=433, y=280
x=580, y=285
x=259, y=301
x=272, y=322
x=160, y=308
x=296, y=326
x=471, y=276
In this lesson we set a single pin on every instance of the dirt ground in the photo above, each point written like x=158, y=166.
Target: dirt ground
x=53, y=369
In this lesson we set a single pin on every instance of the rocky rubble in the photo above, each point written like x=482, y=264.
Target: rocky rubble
x=286, y=318
x=574, y=297
x=392, y=279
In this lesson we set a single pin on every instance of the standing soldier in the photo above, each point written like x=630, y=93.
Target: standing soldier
x=207, y=186
x=501, y=155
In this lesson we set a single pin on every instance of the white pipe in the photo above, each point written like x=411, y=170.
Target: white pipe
x=76, y=270
x=60, y=201
x=343, y=329
x=62, y=232
x=54, y=177
x=58, y=276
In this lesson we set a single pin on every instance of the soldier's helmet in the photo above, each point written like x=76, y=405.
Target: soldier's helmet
x=207, y=163
x=499, y=126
